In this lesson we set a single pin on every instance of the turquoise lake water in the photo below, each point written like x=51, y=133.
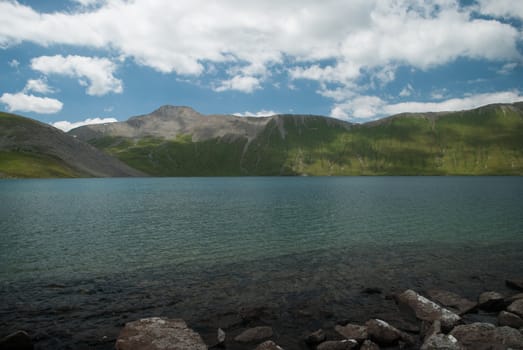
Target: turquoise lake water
x=218, y=244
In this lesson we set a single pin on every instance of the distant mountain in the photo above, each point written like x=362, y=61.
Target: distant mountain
x=29, y=148
x=178, y=141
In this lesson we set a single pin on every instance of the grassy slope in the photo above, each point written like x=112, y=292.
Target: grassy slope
x=28, y=162
x=480, y=142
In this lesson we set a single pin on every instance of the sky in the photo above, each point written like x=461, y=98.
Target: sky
x=75, y=62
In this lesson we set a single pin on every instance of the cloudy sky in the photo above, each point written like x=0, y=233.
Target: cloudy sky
x=70, y=62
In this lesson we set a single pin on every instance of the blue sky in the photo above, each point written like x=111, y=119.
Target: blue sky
x=73, y=62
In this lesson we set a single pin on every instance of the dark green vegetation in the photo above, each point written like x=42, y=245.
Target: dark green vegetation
x=32, y=149
x=484, y=141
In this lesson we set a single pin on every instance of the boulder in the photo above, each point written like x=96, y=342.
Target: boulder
x=157, y=333
x=483, y=336
x=316, y=337
x=382, y=333
x=346, y=344
x=491, y=301
x=19, y=340
x=441, y=342
x=352, y=331
x=516, y=283
x=513, y=298
x=268, y=345
x=369, y=345
x=412, y=304
x=429, y=329
x=254, y=334
x=509, y=319
x=221, y=336
x=451, y=300
x=516, y=307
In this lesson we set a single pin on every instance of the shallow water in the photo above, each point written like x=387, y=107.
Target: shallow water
x=79, y=258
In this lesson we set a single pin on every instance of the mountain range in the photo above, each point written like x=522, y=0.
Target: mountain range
x=179, y=141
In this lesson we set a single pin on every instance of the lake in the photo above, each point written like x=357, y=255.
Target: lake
x=80, y=257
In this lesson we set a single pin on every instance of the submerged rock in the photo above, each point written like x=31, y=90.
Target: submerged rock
x=316, y=337
x=352, y=331
x=483, y=336
x=516, y=283
x=346, y=344
x=451, y=300
x=19, y=340
x=268, y=345
x=254, y=334
x=491, y=301
x=516, y=307
x=413, y=304
x=157, y=333
x=509, y=319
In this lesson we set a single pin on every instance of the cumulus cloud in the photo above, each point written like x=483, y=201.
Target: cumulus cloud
x=66, y=125
x=22, y=102
x=365, y=108
x=240, y=83
x=507, y=68
x=94, y=72
x=262, y=113
x=502, y=8
x=38, y=86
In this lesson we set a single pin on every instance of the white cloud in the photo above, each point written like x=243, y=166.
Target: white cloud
x=262, y=113
x=365, y=108
x=502, y=8
x=14, y=63
x=240, y=83
x=97, y=71
x=507, y=68
x=38, y=86
x=21, y=102
x=407, y=91
x=87, y=3
x=66, y=125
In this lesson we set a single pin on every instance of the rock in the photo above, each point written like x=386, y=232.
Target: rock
x=516, y=307
x=346, y=344
x=413, y=304
x=430, y=329
x=352, y=331
x=372, y=290
x=483, y=336
x=451, y=300
x=509, y=319
x=254, y=334
x=516, y=283
x=382, y=333
x=316, y=337
x=441, y=342
x=491, y=301
x=221, y=336
x=19, y=340
x=157, y=333
x=268, y=345
x=509, y=300
x=369, y=345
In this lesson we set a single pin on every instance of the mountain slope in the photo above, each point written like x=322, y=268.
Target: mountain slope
x=29, y=148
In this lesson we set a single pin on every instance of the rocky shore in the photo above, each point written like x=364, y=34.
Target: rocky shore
x=434, y=319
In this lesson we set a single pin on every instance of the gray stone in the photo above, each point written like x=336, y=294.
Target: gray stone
x=221, y=336
x=268, y=345
x=516, y=307
x=19, y=340
x=516, y=283
x=157, y=333
x=509, y=319
x=441, y=342
x=451, y=300
x=491, y=301
x=346, y=344
x=316, y=337
x=382, y=333
x=254, y=334
x=369, y=345
x=483, y=336
x=429, y=329
x=352, y=331
x=412, y=304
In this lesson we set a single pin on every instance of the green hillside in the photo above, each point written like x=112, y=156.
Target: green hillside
x=484, y=141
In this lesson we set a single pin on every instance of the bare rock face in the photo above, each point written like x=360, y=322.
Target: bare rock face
x=411, y=303
x=254, y=334
x=157, y=333
x=491, y=301
x=353, y=331
x=509, y=319
x=441, y=342
x=516, y=307
x=268, y=345
x=483, y=336
x=346, y=344
x=382, y=333
x=451, y=300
